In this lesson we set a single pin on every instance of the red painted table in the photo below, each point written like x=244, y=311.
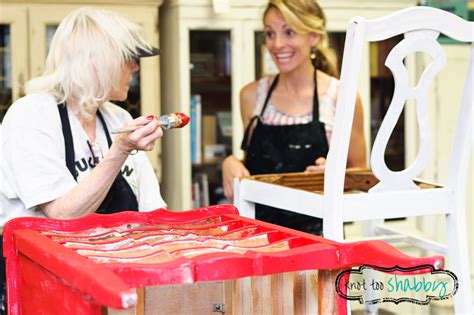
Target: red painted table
x=81, y=266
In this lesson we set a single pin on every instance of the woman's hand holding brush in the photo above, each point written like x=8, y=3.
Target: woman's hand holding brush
x=175, y=120
x=141, y=133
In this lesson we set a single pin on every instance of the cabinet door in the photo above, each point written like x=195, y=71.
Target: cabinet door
x=211, y=112
x=13, y=54
x=214, y=52
x=144, y=93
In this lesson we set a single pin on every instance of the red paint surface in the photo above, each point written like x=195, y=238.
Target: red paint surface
x=183, y=118
x=43, y=273
x=46, y=293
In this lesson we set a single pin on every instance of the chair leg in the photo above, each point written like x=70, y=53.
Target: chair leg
x=370, y=295
x=333, y=228
x=459, y=262
x=246, y=208
x=369, y=228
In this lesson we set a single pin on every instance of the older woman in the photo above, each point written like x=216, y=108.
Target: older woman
x=59, y=158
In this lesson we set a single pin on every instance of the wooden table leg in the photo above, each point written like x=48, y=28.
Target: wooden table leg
x=327, y=295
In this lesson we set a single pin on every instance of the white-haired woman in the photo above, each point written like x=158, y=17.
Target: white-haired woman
x=59, y=155
x=59, y=158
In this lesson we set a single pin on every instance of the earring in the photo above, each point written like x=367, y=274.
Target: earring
x=313, y=53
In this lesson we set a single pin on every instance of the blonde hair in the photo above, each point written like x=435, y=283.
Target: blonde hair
x=305, y=17
x=86, y=56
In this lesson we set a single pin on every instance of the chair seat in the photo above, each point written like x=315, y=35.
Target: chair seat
x=305, y=191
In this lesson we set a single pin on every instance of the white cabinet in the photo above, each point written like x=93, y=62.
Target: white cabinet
x=179, y=22
x=14, y=70
x=27, y=27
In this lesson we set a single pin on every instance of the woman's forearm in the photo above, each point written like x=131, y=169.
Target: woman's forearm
x=87, y=196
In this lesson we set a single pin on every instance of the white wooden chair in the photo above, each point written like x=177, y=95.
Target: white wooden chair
x=396, y=195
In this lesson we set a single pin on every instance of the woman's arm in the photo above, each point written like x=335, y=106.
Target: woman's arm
x=87, y=196
x=232, y=167
x=248, y=98
x=357, y=153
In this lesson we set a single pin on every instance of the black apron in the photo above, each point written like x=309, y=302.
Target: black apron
x=120, y=196
x=285, y=149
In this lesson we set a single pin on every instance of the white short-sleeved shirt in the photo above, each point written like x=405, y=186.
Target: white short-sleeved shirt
x=33, y=165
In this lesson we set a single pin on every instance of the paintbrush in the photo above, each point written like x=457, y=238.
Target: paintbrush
x=175, y=120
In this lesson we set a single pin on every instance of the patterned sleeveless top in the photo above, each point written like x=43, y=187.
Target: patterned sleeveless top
x=272, y=116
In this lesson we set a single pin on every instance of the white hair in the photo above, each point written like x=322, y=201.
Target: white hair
x=86, y=57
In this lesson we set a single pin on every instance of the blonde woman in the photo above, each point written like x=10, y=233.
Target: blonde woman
x=288, y=118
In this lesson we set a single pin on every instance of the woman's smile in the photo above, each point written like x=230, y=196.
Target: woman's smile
x=283, y=57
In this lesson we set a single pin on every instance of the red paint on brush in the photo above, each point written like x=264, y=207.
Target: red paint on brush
x=183, y=119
